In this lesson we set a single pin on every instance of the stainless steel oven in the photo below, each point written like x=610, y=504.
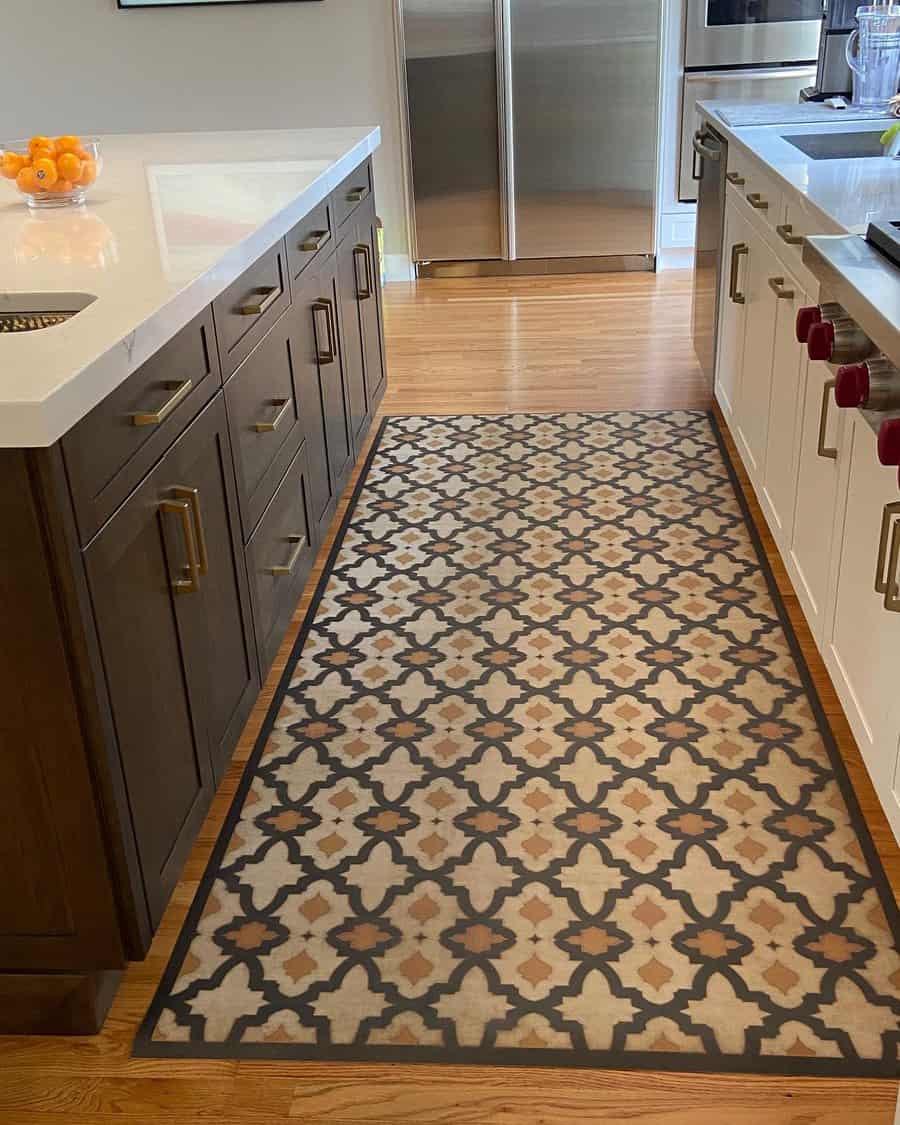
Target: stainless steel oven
x=747, y=32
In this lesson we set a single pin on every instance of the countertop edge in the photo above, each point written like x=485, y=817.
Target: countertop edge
x=41, y=423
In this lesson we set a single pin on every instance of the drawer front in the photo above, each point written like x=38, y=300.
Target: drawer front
x=763, y=195
x=279, y=559
x=113, y=447
x=263, y=421
x=250, y=306
x=797, y=222
x=310, y=238
x=354, y=190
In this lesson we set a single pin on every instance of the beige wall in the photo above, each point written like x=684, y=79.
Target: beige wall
x=84, y=66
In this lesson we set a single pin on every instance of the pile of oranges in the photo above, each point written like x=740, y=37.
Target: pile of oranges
x=52, y=165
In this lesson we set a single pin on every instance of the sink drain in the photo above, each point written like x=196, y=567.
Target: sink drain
x=32, y=321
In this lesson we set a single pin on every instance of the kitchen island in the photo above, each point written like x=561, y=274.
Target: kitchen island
x=172, y=456
x=814, y=466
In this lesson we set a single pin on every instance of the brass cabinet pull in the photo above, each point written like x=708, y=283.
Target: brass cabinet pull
x=191, y=584
x=785, y=233
x=881, y=580
x=316, y=240
x=892, y=593
x=826, y=450
x=735, y=178
x=259, y=301
x=325, y=306
x=286, y=571
x=181, y=391
x=737, y=252
x=192, y=495
x=364, y=292
x=357, y=195
x=284, y=405
x=756, y=200
x=776, y=284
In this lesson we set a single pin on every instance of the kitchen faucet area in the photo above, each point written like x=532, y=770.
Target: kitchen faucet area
x=450, y=570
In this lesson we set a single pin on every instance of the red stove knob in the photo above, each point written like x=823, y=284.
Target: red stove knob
x=889, y=442
x=806, y=318
x=820, y=341
x=851, y=386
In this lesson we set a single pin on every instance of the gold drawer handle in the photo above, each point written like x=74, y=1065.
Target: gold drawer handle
x=363, y=292
x=325, y=306
x=737, y=252
x=882, y=581
x=735, y=178
x=259, y=301
x=785, y=233
x=316, y=241
x=182, y=390
x=269, y=427
x=776, y=284
x=892, y=593
x=190, y=584
x=287, y=571
x=756, y=200
x=827, y=451
x=357, y=195
x=192, y=495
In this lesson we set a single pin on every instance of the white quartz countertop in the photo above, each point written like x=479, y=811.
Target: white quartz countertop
x=847, y=193
x=173, y=220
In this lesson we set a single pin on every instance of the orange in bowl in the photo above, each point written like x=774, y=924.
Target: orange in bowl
x=52, y=171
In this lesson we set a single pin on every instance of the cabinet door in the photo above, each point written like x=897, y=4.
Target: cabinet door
x=752, y=394
x=732, y=298
x=174, y=642
x=319, y=381
x=863, y=645
x=371, y=307
x=817, y=478
x=352, y=333
x=222, y=648
x=788, y=372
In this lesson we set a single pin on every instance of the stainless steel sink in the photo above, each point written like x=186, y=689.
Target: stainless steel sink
x=30, y=312
x=838, y=146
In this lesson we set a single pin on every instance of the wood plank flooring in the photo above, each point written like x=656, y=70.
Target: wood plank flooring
x=605, y=342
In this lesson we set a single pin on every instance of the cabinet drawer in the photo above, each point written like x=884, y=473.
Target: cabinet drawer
x=250, y=306
x=263, y=420
x=279, y=559
x=309, y=238
x=354, y=190
x=114, y=446
x=796, y=223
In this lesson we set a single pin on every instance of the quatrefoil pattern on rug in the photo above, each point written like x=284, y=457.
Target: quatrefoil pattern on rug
x=545, y=784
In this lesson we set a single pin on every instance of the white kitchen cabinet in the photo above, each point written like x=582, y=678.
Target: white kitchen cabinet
x=863, y=637
x=732, y=307
x=789, y=363
x=751, y=407
x=809, y=557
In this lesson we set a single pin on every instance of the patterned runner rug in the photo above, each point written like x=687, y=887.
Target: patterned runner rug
x=546, y=781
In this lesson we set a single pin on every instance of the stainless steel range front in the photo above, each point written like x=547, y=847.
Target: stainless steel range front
x=746, y=32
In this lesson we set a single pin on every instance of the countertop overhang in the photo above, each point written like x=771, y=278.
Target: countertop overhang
x=172, y=222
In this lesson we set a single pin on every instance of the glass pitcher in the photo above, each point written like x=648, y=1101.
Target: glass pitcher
x=873, y=54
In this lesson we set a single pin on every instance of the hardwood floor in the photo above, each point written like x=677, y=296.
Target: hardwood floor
x=588, y=343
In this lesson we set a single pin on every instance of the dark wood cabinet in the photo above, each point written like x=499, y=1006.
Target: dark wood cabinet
x=319, y=379
x=170, y=598
x=153, y=561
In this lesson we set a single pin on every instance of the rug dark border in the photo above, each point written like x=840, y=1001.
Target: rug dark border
x=145, y=1047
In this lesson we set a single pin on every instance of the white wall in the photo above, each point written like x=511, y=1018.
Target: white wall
x=83, y=66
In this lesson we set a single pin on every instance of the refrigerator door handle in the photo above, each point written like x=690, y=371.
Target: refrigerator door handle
x=506, y=129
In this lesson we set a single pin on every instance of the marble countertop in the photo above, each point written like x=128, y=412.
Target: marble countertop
x=173, y=220
x=848, y=194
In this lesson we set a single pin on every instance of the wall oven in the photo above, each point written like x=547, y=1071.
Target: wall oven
x=747, y=32
x=743, y=50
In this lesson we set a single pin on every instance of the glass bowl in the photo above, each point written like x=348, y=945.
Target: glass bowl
x=52, y=171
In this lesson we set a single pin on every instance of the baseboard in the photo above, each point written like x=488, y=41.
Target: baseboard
x=56, y=1003
x=398, y=267
x=675, y=258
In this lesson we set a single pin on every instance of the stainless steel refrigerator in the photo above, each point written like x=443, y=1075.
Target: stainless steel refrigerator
x=532, y=133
